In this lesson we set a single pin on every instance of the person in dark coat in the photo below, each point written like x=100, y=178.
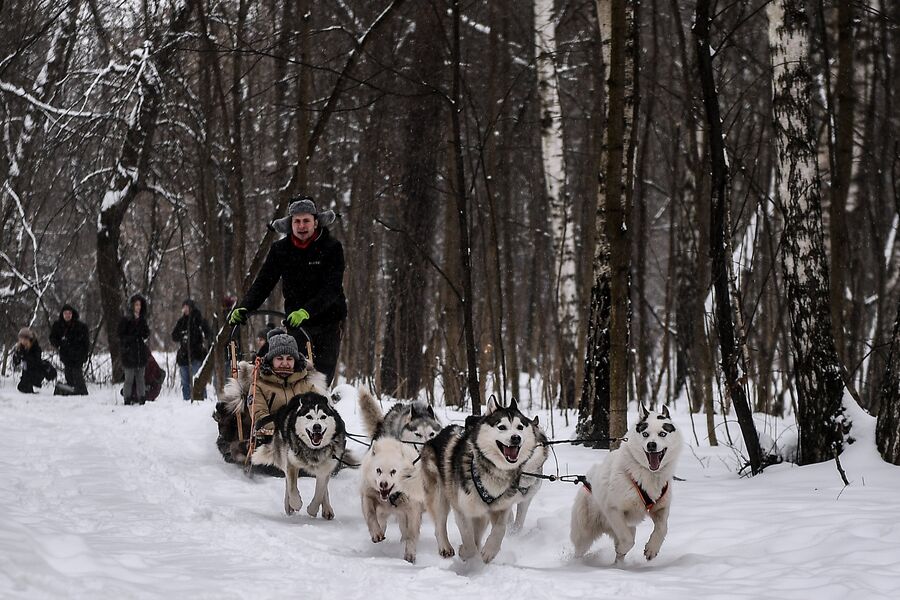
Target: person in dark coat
x=71, y=338
x=310, y=264
x=133, y=333
x=27, y=354
x=192, y=333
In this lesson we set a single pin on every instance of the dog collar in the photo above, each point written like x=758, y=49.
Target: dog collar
x=649, y=502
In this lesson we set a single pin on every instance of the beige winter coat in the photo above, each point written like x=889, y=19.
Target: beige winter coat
x=273, y=391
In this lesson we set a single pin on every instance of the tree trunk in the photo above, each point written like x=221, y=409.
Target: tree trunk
x=887, y=429
x=817, y=373
x=130, y=173
x=554, y=171
x=459, y=182
x=733, y=368
x=405, y=336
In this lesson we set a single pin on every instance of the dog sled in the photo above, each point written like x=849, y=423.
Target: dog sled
x=235, y=441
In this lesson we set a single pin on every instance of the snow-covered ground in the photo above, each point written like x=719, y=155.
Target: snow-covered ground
x=100, y=500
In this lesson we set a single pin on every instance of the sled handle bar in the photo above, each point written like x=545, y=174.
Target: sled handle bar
x=271, y=313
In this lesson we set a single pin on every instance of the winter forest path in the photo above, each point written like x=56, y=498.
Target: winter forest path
x=102, y=500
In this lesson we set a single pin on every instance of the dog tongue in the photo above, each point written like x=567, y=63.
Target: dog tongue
x=511, y=453
x=654, y=458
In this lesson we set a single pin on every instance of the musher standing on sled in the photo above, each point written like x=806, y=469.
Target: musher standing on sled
x=310, y=264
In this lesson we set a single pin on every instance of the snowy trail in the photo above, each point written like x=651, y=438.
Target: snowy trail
x=106, y=501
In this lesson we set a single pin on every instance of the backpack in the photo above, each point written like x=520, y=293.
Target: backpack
x=49, y=369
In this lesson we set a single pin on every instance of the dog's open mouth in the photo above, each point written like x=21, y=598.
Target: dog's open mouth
x=315, y=437
x=510, y=453
x=386, y=493
x=655, y=459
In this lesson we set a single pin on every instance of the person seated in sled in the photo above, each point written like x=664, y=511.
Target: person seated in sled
x=309, y=262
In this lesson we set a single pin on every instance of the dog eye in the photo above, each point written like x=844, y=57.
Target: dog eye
x=501, y=427
x=309, y=417
x=645, y=434
x=520, y=427
x=393, y=471
x=663, y=434
x=378, y=471
x=418, y=435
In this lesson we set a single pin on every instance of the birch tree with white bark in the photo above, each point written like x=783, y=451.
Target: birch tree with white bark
x=554, y=167
x=817, y=376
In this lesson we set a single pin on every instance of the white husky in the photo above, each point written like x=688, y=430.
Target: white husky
x=634, y=481
x=392, y=485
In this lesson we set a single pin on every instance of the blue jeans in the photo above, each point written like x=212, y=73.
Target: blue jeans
x=186, y=377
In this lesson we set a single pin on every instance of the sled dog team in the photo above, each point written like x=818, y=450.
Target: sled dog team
x=481, y=471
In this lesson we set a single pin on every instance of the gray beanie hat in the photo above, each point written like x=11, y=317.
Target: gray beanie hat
x=281, y=343
x=303, y=205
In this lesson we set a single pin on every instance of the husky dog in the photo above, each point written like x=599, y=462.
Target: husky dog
x=476, y=470
x=392, y=485
x=412, y=422
x=309, y=435
x=528, y=485
x=634, y=481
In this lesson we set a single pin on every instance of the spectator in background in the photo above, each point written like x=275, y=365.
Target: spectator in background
x=193, y=333
x=71, y=338
x=27, y=354
x=133, y=333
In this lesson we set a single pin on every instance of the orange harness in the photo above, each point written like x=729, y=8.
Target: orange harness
x=649, y=503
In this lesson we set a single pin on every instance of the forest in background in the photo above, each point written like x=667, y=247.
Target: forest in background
x=525, y=188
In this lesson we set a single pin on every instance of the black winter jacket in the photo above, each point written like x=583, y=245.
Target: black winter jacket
x=132, y=333
x=191, y=331
x=72, y=339
x=30, y=361
x=311, y=278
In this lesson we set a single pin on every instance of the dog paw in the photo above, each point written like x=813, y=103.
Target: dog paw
x=378, y=537
x=446, y=552
x=488, y=555
x=465, y=552
x=650, y=552
x=327, y=513
x=410, y=557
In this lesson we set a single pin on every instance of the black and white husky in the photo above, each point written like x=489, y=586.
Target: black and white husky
x=477, y=471
x=309, y=435
x=633, y=482
x=412, y=422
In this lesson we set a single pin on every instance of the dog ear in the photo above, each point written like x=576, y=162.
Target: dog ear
x=643, y=412
x=492, y=405
x=665, y=412
x=430, y=412
x=535, y=421
x=513, y=405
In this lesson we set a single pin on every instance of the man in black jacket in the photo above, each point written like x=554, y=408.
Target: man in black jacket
x=71, y=338
x=192, y=332
x=310, y=264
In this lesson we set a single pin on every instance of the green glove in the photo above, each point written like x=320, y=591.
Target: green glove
x=238, y=316
x=298, y=316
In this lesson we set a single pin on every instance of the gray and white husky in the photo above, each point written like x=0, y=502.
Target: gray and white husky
x=392, y=485
x=633, y=482
x=309, y=435
x=412, y=422
x=477, y=471
x=529, y=485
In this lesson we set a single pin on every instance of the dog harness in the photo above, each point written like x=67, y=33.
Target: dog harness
x=649, y=503
x=483, y=493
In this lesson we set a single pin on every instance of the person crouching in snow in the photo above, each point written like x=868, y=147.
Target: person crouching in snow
x=28, y=354
x=282, y=375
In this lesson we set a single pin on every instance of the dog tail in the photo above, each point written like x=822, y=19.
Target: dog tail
x=263, y=455
x=370, y=411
